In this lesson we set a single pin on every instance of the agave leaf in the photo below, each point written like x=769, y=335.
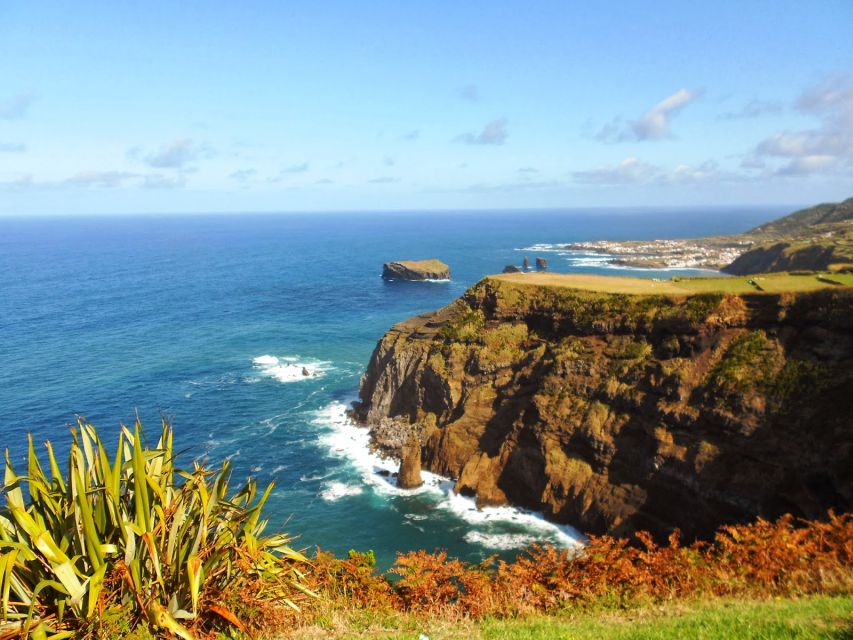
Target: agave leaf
x=7, y=565
x=36, y=474
x=11, y=485
x=61, y=565
x=56, y=475
x=140, y=496
x=160, y=617
x=195, y=574
x=95, y=585
x=83, y=512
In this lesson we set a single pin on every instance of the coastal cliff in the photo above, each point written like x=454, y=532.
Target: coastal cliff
x=615, y=411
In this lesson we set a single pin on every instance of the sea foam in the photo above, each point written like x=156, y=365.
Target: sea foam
x=334, y=491
x=344, y=439
x=289, y=368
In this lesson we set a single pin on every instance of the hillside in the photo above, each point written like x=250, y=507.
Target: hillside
x=617, y=411
x=819, y=238
x=802, y=221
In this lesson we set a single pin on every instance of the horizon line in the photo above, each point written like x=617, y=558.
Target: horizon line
x=93, y=214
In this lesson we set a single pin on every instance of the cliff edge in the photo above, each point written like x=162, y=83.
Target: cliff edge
x=617, y=404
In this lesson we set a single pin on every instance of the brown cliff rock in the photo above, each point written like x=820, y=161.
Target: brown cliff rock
x=617, y=412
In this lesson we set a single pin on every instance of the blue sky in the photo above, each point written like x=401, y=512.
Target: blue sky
x=274, y=106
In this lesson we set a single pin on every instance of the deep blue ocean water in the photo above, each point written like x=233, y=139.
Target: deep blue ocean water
x=110, y=317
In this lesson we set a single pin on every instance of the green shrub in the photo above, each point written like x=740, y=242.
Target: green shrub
x=465, y=328
x=132, y=533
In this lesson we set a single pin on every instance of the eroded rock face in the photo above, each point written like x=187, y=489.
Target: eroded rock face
x=616, y=413
x=511, y=268
x=416, y=270
x=409, y=476
x=541, y=264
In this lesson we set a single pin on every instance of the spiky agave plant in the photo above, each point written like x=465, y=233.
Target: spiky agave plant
x=132, y=531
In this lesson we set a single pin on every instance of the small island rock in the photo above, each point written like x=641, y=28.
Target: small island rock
x=511, y=268
x=526, y=264
x=416, y=270
x=409, y=476
x=541, y=264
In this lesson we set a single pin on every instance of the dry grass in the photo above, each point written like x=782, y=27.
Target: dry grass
x=769, y=283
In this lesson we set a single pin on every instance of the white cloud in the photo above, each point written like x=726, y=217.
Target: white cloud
x=159, y=181
x=383, y=180
x=174, y=155
x=302, y=167
x=629, y=171
x=12, y=147
x=652, y=125
x=632, y=171
x=825, y=149
x=21, y=183
x=243, y=175
x=753, y=109
x=16, y=106
x=99, y=179
x=494, y=133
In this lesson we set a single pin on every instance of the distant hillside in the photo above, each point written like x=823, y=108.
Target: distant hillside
x=800, y=221
x=818, y=238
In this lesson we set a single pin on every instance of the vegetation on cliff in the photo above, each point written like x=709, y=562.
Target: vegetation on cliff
x=615, y=410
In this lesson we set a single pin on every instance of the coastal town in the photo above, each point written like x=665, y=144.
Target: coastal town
x=704, y=253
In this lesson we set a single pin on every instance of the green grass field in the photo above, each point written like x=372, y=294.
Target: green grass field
x=810, y=618
x=767, y=283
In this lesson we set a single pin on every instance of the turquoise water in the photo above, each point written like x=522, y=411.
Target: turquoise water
x=202, y=319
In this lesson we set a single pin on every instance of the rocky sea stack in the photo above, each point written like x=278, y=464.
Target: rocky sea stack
x=409, y=476
x=618, y=411
x=416, y=270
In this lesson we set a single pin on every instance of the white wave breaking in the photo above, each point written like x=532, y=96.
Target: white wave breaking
x=346, y=440
x=334, y=491
x=289, y=368
x=500, y=541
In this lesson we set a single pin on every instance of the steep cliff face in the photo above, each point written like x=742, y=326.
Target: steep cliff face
x=621, y=412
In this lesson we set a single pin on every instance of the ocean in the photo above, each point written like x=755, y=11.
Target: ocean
x=209, y=320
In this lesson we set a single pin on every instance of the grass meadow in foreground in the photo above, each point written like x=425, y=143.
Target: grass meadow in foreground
x=808, y=618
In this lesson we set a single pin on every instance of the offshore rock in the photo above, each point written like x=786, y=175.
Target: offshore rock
x=416, y=270
x=511, y=268
x=541, y=264
x=409, y=476
x=619, y=412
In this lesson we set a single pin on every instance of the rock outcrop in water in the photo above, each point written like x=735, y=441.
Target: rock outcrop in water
x=416, y=270
x=409, y=476
x=541, y=264
x=617, y=412
x=511, y=268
